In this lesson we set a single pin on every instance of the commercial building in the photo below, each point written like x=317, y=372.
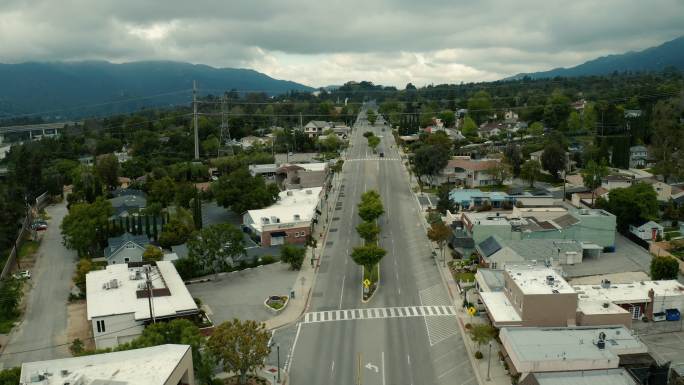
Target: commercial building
x=495, y=252
x=539, y=350
x=118, y=304
x=289, y=220
x=472, y=199
x=534, y=295
x=619, y=376
x=301, y=175
x=157, y=365
x=591, y=226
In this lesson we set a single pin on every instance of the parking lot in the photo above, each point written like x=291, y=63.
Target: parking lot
x=241, y=294
x=627, y=256
x=665, y=340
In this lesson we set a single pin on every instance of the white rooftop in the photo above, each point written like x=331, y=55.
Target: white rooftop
x=109, y=300
x=499, y=307
x=586, y=377
x=312, y=166
x=636, y=292
x=302, y=202
x=591, y=307
x=572, y=343
x=146, y=366
x=538, y=279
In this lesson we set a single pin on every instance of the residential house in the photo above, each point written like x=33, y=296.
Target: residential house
x=267, y=171
x=490, y=129
x=167, y=364
x=118, y=304
x=289, y=220
x=648, y=231
x=126, y=248
x=127, y=202
x=248, y=142
x=302, y=175
x=616, y=181
x=638, y=156
x=316, y=128
x=87, y=160
x=588, y=199
x=537, y=156
x=567, y=349
x=662, y=189
x=341, y=130
x=579, y=105
x=510, y=117
x=467, y=172
x=122, y=156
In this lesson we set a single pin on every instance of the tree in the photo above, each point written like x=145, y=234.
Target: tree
x=10, y=292
x=664, y=267
x=107, y=169
x=215, y=247
x=240, y=191
x=667, y=137
x=184, y=193
x=530, y=171
x=83, y=228
x=592, y=176
x=481, y=334
x=240, y=346
x=368, y=231
x=513, y=156
x=448, y=118
x=371, y=116
x=370, y=207
x=469, y=127
x=480, y=106
x=444, y=201
x=368, y=255
x=152, y=253
x=162, y=191
x=440, y=234
x=536, y=129
x=373, y=142
x=557, y=110
x=211, y=145
x=500, y=172
x=430, y=160
x=633, y=205
x=574, y=122
x=83, y=267
x=293, y=255
x=553, y=158
x=331, y=143
x=178, y=229
x=11, y=376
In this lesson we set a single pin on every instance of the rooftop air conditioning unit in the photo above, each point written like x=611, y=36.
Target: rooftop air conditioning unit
x=142, y=286
x=549, y=279
x=289, y=193
x=265, y=220
x=113, y=284
x=309, y=192
x=297, y=217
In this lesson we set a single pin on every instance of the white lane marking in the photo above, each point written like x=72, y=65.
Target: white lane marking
x=446, y=312
x=382, y=359
x=292, y=350
x=332, y=368
x=342, y=291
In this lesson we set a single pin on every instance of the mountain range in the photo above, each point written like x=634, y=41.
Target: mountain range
x=668, y=54
x=59, y=90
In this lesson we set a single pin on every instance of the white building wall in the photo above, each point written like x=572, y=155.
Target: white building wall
x=119, y=329
x=131, y=252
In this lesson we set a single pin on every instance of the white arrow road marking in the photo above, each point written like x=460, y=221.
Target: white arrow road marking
x=371, y=367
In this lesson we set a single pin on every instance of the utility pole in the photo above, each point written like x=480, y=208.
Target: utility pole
x=489, y=360
x=225, y=130
x=194, y=113
x=150, y=294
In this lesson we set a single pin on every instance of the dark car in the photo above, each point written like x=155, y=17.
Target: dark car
x=382, y=154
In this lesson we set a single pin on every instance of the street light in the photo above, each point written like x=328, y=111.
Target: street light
x=278, y=349
x=489, y=360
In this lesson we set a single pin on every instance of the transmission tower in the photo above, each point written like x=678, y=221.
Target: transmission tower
x=226, y=146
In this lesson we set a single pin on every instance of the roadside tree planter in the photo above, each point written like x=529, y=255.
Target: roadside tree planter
x=276, y=303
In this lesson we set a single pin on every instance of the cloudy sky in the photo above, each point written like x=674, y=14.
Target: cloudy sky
x=330, y=42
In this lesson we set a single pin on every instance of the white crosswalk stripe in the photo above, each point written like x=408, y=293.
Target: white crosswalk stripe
x=371, y=158
x=438, y=328
x=380, y=313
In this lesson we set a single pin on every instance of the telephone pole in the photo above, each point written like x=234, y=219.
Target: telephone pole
x=194, y=114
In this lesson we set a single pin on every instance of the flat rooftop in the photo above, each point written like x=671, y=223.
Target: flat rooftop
x=572, y=343
x=635, y=292
x=499, y=307
x=538, y=279
x=301, y=202
x=171, y=297
x=148, y=366
x=617, y=376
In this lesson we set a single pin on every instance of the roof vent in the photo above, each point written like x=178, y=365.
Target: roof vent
x=605, y=284
x=289, y=193
x=605, y=305
x=549, y=279
x=265, y=221
x=297, y=217
x=309, y=192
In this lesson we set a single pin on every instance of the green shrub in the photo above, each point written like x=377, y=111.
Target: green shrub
x=267, y=259
x=478, y=355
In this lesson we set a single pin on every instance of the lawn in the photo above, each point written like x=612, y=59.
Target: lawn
x=464, y=276
x=28, y=248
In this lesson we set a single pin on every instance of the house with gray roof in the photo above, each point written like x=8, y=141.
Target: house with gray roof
x=127, y=201
x=496, y=252
x=126, y=248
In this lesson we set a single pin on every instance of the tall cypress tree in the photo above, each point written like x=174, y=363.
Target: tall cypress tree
x=140, y=228
x=147, y=226
x=128, y=224
x=154, y=227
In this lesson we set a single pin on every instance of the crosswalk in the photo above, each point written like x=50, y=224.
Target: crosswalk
x=370, y=158
x=438, y=328
x=379, y=313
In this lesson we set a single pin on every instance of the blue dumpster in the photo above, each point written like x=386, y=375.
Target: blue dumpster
x=672, y=314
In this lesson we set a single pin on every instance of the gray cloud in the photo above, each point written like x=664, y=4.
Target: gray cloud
x=319, y=42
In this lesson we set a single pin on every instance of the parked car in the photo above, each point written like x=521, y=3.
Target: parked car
x=39, y=225
x=24, y=274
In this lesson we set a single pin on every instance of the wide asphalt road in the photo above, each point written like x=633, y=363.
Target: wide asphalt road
x=406, y=333
x=44, y=323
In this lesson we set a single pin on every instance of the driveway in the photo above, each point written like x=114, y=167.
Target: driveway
x=45, y=319
x=241, y=294
x=628, y=256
